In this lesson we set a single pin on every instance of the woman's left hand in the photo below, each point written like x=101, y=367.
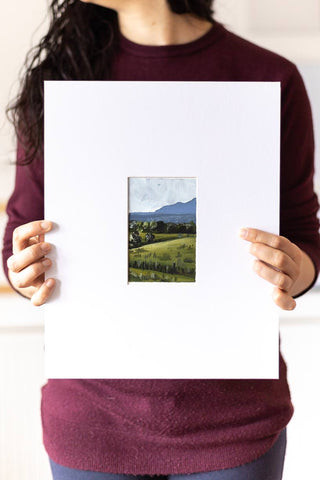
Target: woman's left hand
x=278, y=262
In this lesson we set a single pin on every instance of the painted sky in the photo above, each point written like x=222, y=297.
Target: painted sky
x=150, y=193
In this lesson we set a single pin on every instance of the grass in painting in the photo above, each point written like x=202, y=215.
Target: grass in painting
x=170, y=258
x=136, y=275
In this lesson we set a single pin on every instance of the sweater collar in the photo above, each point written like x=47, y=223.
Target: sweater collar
x=141, y=50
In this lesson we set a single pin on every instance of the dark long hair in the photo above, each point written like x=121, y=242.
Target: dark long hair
x=79, y=45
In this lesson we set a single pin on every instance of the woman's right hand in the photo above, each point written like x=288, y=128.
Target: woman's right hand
x=27, y=265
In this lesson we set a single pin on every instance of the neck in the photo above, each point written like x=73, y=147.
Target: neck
x=151, y=22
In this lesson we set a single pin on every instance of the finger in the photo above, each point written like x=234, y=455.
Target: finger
x=43, y=293
x=28, y=256
x=279, y=279
x=27, y=276
x=36, y=283
x=283, y=299
x=275, y=241
x=22, y=234
x=275, y=258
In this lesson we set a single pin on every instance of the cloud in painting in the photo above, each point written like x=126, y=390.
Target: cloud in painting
x=150, y=193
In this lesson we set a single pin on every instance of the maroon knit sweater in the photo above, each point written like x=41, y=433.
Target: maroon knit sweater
x=163, y=426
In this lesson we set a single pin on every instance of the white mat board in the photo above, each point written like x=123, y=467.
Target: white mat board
x=97, y=135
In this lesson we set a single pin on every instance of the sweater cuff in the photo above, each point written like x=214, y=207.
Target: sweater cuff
x=315, y=260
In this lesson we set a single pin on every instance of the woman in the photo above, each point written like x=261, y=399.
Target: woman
x=224, y=429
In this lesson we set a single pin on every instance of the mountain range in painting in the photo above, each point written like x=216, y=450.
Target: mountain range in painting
x=179, y=212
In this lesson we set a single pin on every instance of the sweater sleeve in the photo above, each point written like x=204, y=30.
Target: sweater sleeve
x=25, y=204
x=298, y=201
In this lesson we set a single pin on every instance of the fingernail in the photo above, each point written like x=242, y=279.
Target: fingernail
x=45, y=247
x=292, y=305
x=49, y=282
x=46, y=262
x=10, y=262
x=243, y=232
x=45, y=225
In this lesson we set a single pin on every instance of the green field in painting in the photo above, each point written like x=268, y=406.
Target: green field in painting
x=168, y=259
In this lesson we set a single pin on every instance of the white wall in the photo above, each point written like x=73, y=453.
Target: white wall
x=290, y=27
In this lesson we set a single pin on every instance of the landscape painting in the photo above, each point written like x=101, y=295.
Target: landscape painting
x=161, y=229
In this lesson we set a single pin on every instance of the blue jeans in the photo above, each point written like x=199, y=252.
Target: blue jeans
x=267, y=467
